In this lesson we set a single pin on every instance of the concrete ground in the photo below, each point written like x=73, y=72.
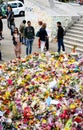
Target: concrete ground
x=7, y=47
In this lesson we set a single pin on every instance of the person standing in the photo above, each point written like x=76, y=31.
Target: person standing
x=43, y=36
x=1, y=29
x=60, y=36
x=17, y=42
x=47, y=39
x=10, y=19
x=40, y=25
x=29, y=34
x=1, y=26
x=21, y=28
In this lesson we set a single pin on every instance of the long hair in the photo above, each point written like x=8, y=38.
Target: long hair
x=16, y=29
x=9, y=6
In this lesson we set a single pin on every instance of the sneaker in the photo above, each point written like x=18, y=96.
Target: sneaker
x=63, y=52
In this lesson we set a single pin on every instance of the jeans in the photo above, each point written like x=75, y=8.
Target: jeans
x=29, y=43
x=12, y=29
x=8, y=24
x=60, y=43
x=23, y=40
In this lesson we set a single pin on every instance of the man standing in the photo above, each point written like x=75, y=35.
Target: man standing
x=60, y=36
x=29, y=34
x=1, y=26
x=21, y=29
x=10, y=19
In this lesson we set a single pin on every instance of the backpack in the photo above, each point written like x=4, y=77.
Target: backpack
x=38, y=33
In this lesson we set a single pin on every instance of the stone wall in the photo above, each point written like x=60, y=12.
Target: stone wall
x=34, y=13
x=44, y=2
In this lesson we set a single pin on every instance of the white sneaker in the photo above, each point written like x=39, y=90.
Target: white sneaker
x=63, y=52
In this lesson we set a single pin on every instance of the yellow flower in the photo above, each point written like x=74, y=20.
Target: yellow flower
x=28, y=77
x=54, y=112
x=72, y=106
x=42, y=55
x=61, y=95
x=67, y=129
x=57, y=96
x=31, y=122
x=14, y=110
x=61, y=81
x=46, y=94
x=57, y=64
x=7, y=95
x=81, y=87
x=43, y=121
x=42, y=66
x=22, y=83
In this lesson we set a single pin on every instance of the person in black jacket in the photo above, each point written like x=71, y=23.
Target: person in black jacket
x=29, y=34
x=10, y=19
x=60, y=36
x=1, y=26
x=43, y=35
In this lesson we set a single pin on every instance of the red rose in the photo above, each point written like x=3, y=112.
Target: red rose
x=78, y=119
x=7, y=111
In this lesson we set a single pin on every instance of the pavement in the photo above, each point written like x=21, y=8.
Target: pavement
x=7, y=48
x=56, y=8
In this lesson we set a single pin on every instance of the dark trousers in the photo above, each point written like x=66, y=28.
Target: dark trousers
x=0, y=35
x=60, y=44
x=0, y=55
x=47, y=44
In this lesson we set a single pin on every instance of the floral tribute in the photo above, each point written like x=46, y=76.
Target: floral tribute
x=42, y=92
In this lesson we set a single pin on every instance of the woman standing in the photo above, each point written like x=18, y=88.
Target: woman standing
x=17, y=42
x=43, y=35
x=40, y=25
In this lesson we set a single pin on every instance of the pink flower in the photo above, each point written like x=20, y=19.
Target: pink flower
x=73, y=128
x=1, y=128
x=9, y=81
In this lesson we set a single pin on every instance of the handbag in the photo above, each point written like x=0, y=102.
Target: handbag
x=38, y=34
